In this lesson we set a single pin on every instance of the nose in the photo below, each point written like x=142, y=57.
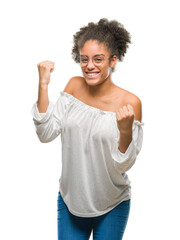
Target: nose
x=90, y=64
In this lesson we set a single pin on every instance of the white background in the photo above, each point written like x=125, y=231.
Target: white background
x=34, y=31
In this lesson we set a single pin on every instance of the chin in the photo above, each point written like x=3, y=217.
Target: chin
x=94, y=82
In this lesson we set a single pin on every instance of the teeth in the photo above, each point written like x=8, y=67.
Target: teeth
x=92, y=74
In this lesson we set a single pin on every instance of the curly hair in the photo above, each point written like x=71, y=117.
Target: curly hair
x=112, y=33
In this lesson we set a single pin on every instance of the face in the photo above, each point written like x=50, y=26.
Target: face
x=96, y=74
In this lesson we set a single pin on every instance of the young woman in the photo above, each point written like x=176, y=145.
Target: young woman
x=101, y=133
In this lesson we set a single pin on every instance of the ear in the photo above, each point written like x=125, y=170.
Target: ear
x=113, y=61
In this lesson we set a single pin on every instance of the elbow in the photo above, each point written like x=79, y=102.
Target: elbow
x=128, y=166
x=125, y=165
x=42, y=140
x=47, y=137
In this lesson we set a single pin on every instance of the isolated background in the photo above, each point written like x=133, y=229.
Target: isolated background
x=34, y=31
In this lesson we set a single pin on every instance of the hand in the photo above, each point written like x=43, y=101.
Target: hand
x=45, y=68
x=125, y=118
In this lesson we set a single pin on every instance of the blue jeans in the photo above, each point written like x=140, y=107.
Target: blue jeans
x=105, y=227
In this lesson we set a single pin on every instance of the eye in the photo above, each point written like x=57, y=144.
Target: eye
x=84, y=60
x=98, y=59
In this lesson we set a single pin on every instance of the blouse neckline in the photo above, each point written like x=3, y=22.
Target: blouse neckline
x=86, y=105
x=94, y=108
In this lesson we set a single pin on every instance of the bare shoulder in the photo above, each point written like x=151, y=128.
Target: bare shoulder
x=74, y=83
x=135, y=102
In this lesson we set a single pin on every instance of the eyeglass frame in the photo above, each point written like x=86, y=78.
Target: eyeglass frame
x=85, y=64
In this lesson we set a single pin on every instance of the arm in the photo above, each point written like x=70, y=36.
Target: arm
x=43, y=100
x=124, y=161
x=129, y=145
x=48, y=117
x=126, y=137
x=48, y=125
x=124, y=141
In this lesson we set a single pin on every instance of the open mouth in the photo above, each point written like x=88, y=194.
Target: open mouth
x=92, y=74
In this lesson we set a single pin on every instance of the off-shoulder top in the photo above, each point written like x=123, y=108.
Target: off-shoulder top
x=93, y=175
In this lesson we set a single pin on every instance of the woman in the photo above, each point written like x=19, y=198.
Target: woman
x=101, y=133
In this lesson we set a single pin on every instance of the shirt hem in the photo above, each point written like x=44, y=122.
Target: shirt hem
x=92, y=214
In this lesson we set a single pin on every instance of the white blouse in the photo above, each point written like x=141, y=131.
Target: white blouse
x=93, y=179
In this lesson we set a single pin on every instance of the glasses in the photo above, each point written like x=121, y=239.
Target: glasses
x=97, y=60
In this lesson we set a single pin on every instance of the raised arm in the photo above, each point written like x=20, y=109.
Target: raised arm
x=44, y=68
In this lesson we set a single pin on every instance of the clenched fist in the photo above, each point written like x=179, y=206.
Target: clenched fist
x=125, y=118
x=45, y=68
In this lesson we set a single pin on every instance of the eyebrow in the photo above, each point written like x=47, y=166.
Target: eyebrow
x=93, y=56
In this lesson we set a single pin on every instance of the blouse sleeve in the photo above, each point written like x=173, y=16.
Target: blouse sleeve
x=124, y=161
x=48, y=125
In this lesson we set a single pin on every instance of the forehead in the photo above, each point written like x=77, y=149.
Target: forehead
x=93, y=47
